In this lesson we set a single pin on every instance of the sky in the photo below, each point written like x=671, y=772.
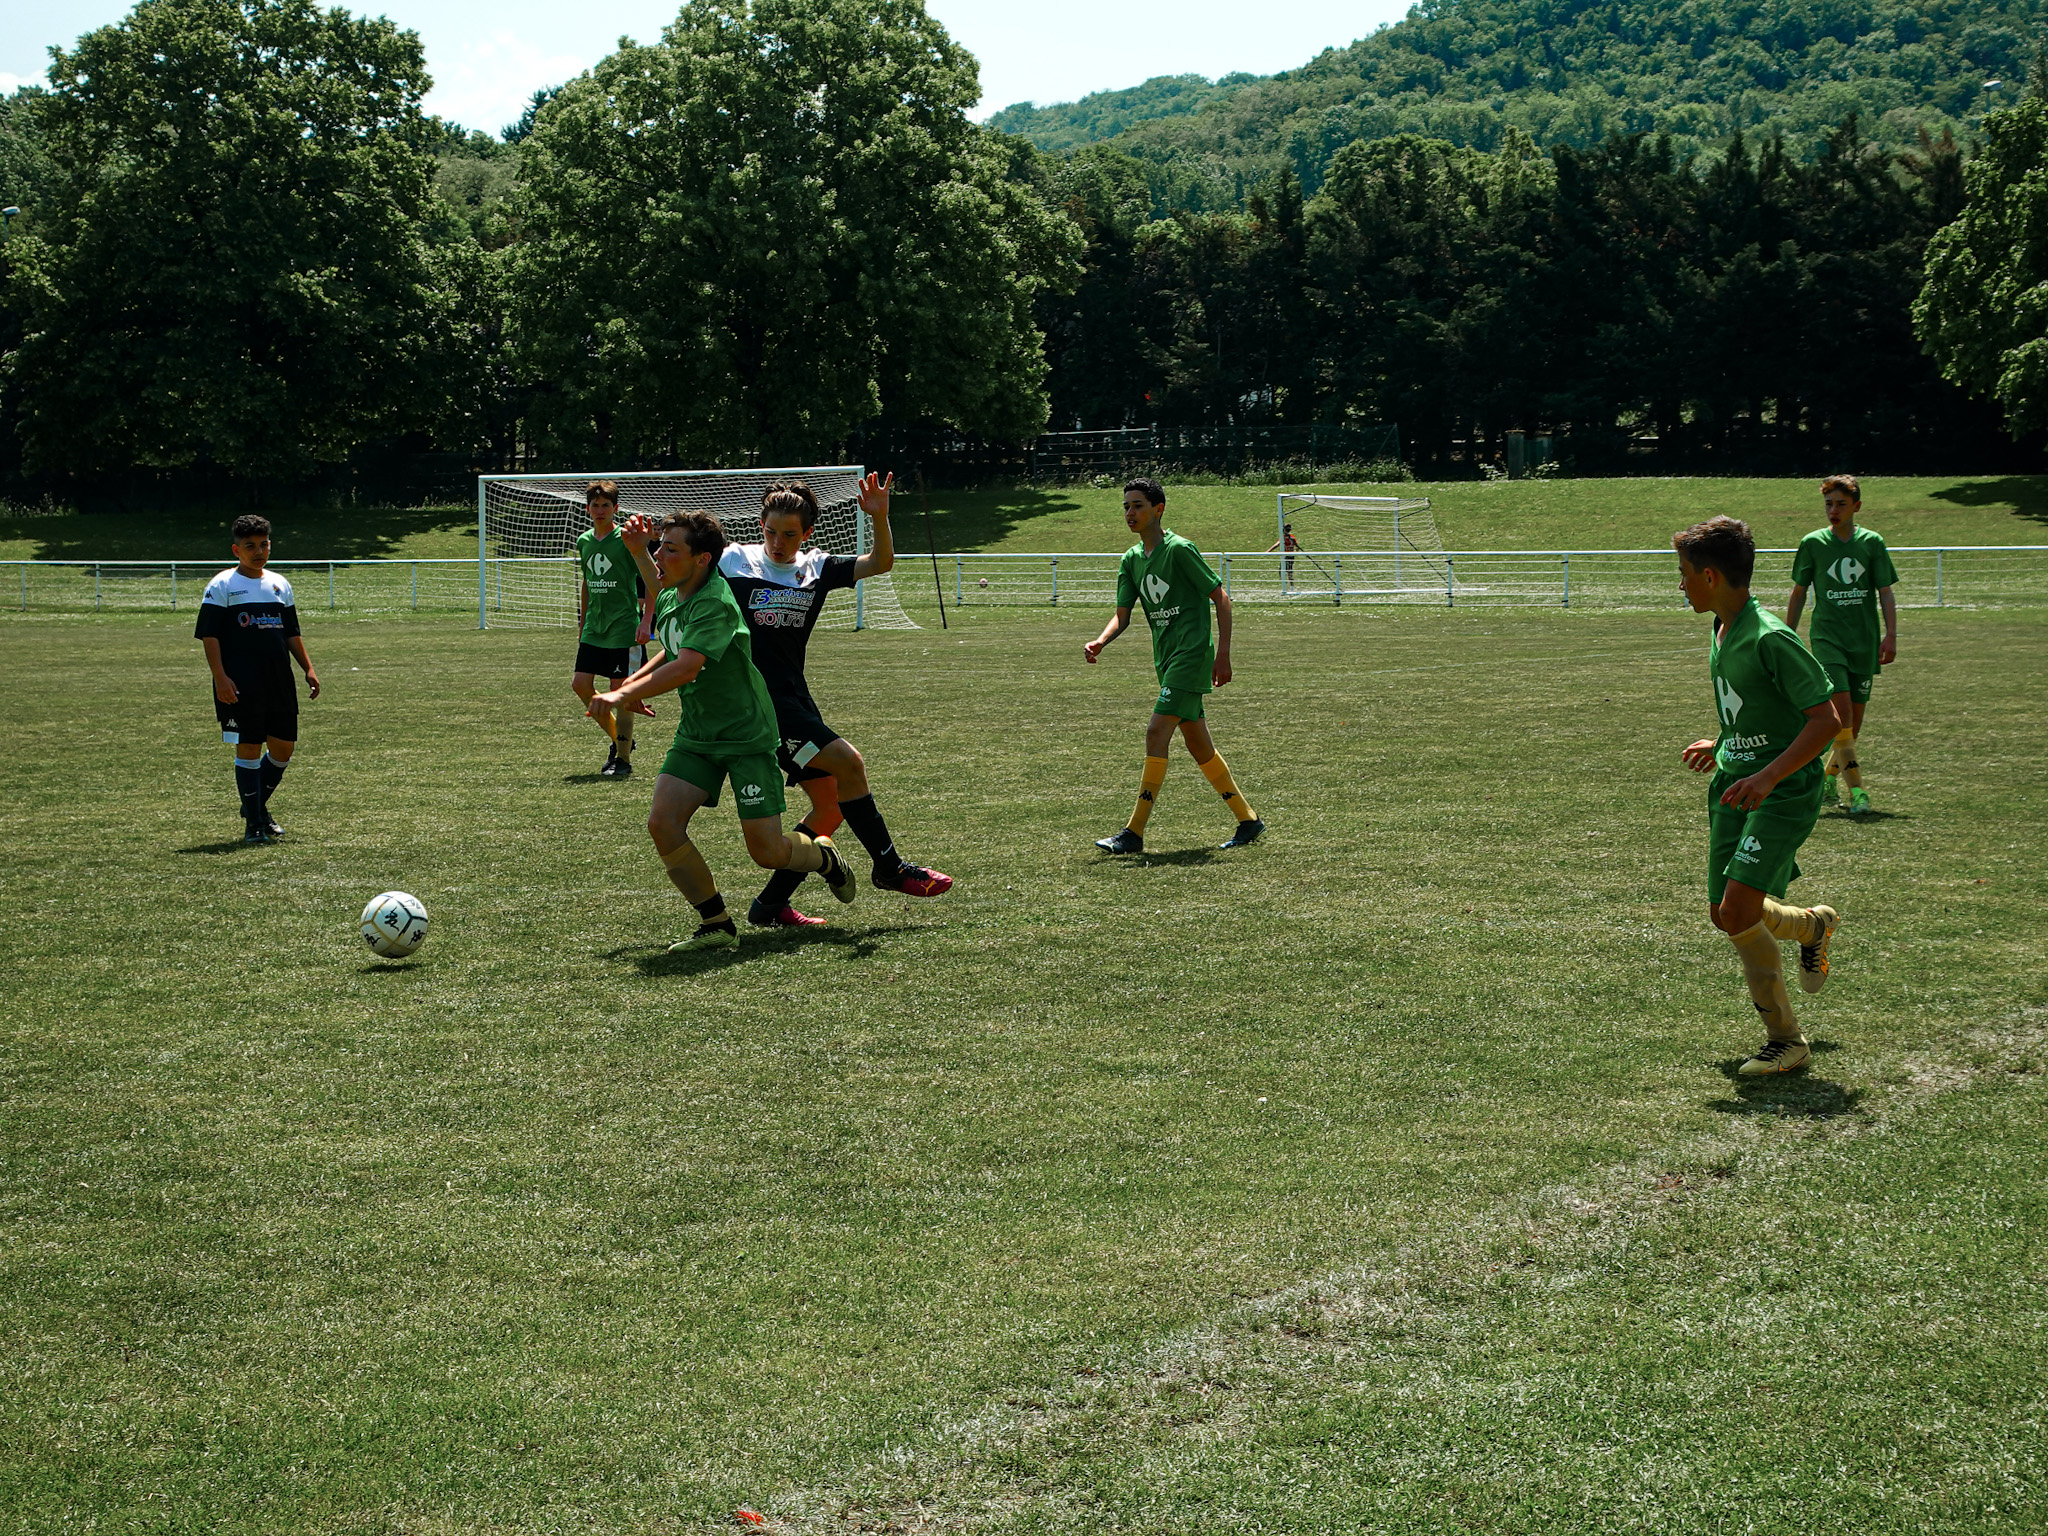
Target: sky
x=488, y=56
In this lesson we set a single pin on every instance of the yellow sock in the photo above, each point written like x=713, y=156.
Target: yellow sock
x=1217, y=772
x=625, y=736
x=1792, y=925
x=1148, y=791
x=1763, y=967
x=1844, y=740
x=1852, y=770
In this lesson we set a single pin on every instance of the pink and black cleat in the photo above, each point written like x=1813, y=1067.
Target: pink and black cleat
x=759, y=916
x=914, y=880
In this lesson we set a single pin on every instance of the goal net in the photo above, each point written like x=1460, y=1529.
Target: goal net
x=1379, y=546
x=527, y=527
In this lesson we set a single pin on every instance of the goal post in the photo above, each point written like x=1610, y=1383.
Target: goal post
x=1362, y=545
x=527, y=525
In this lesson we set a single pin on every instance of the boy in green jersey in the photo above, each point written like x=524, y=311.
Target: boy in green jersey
x=609, y=610
x=1168, y=575
x=725, y=727
x=1777, y=711
x=1851, y=573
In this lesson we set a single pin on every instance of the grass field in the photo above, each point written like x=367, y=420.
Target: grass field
x=1575, y=514
x=1389, y=1175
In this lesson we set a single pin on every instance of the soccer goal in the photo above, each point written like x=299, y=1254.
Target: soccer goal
x=1367, y=546
x=527, y=525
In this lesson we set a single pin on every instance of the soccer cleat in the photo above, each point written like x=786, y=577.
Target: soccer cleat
x=611, y=762
x=1830, y=790
x=1859, y=801
x=1246, y=834
x=1813, y=958
x=254, y=833
x=1777, y=1056
x=622, y=768
x=1125, y=841
x=270, y=827
x=760, y=915
x=837, y=877
x=914, y=880
x=709, y=936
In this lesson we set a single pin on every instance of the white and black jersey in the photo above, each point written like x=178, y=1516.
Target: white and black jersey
x=782, y=604
x=252, y=617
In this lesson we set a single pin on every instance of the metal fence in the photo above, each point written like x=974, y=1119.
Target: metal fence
x=1972, y=576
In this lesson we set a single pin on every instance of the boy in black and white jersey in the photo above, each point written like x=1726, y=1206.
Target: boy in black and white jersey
x=249, y=626
x=781, y=587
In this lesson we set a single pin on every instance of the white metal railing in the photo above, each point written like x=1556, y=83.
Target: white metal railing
x=1979, y=576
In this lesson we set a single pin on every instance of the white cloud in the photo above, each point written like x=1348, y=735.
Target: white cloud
x=9, y=84
x=491, y=80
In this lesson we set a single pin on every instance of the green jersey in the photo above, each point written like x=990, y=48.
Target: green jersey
x=723, y=712
x=1845, y=575
x=612, y=617
x=1173, y=583
x=1764, y=683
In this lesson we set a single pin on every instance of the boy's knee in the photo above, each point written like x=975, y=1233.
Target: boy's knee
x=770, y=850
x=584, y=686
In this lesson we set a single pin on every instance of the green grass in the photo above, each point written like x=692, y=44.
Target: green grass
x=994, y=1202
x=1530, y=514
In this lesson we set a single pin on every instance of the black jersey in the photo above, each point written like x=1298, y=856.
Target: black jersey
x=252, y=617
x=782, y=604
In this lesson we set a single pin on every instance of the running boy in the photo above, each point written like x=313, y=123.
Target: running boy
x=782, y=588
x=608, y=609
x=249, y=626
x=1777, y=712
x=1168, y=575
x=725, y=726
x=1847, y=564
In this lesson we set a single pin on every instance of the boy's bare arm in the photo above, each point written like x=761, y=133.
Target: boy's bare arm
x=1795, y=605
x=223, y=685
x=1888, y=647
x=1110, y=631
x=297, y=646
x=652, y=680
x=1219, y=674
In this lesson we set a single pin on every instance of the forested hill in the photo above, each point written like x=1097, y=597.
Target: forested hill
x=1573, y=72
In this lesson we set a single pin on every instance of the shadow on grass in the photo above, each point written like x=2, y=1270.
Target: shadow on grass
x=386, y=967
x=2027, y=495
x=585, y=778
x=1178, y=856
x=345, y=533
x=1843, y=815
x=755, y=944
x=232, y=845
x=1790, y=1093
x=970, y=520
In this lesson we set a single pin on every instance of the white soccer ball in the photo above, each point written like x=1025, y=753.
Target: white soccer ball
x=984, y=583
x=394, y=924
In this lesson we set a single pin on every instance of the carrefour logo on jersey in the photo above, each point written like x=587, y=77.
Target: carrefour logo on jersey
x=600, y=565
x=1848, y=570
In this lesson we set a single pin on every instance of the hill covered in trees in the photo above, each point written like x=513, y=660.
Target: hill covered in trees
x=1571, y=72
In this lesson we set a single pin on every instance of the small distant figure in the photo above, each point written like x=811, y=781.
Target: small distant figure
x=1777, y=712
x=1848, y=566
x=1168, y=575
x=249, y=626
x=614, y=607
x=1290, y=544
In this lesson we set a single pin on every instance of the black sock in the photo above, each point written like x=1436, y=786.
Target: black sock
x=779, y=890
x=249, y=785
x=712, y=910
x=273, y=770
x=868, y=826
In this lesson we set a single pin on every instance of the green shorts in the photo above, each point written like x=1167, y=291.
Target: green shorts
x=1760, y=847
x=1852, y=680
x=756, y=781
x=1179, y=700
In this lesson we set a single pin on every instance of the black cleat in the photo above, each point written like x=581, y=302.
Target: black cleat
x=1247, y=833
x=611, y=762
x=254, y=835
x=1125, y=841
x=622, y=768
x=270, y=827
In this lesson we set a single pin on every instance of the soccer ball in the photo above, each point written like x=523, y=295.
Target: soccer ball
x=984, y=583
x=394, y=925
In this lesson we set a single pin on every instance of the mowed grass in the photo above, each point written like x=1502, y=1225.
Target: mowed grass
x=1528, y=514
x=1389, y=1174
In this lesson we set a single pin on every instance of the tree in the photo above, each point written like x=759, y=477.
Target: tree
x=772, y=226
x=232, y=275
x=1982, y=312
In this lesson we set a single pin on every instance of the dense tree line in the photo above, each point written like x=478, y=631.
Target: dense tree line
x=1572, y=72
x=1747, y=312
x=247, y=257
